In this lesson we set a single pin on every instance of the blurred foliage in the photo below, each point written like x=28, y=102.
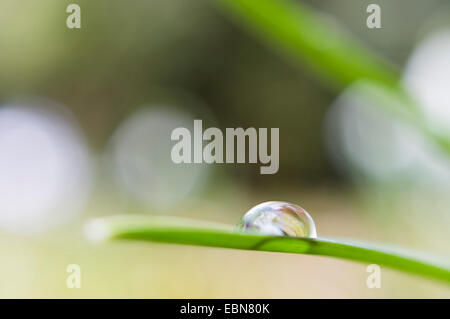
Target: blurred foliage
x=187, y=52
x=132, y=53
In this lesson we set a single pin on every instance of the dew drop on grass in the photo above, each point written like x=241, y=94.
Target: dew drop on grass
x=279, y=219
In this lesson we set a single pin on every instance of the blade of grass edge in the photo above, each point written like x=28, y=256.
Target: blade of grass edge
x=190, y=232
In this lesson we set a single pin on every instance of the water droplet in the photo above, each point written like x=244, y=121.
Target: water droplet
x=279, y=219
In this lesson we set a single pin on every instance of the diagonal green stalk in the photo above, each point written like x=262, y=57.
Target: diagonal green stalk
x=311, y=37
x=192, y=232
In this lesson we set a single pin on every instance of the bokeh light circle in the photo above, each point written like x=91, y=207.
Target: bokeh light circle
x=45, y=172
x=141, y=158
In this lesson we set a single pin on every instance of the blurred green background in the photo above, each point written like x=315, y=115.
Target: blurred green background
x=85, y=121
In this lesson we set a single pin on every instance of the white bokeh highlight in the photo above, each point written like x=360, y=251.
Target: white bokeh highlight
x=366, y=142
x=45, y=173
x=427, y=78
x=141, y=161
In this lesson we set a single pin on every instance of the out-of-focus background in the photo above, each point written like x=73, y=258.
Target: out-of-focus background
x=85, y=122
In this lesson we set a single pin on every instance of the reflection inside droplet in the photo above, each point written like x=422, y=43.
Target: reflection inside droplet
x=279, y=219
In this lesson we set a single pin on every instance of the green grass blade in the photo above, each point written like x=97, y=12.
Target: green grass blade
x=191, y=232
x=310, y=36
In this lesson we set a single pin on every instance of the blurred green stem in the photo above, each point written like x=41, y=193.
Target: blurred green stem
x=314, y=38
